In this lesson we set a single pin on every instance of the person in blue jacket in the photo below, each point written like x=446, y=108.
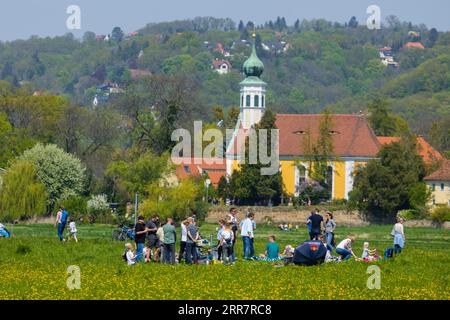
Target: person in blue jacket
x=61, y=221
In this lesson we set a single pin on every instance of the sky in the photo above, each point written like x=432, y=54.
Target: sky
x=20, y=19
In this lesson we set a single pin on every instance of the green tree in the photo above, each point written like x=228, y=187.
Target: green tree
x=248, y=185
x=62, y=173
x=117, y=34
x=383, y=187
x=22, y=195
x=382, y=122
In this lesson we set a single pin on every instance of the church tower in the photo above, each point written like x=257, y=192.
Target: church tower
x=253, y=90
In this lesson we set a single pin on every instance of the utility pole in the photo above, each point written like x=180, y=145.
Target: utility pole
x=136, y=207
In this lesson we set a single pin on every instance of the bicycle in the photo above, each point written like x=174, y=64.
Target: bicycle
x=123, y=233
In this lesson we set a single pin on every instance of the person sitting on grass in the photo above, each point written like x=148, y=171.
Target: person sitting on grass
x=344, y=248
x=129, y=254
x=369, y=255
x=4, y=232
x=288, y=251
x=72, y=230
x=272, y=248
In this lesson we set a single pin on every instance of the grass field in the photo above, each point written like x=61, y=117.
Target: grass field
x=33, y=265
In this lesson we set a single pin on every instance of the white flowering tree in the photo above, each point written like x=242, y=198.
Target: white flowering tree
x=62, y=174
x=97, y=204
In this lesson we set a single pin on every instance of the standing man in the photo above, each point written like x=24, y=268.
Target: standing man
x=61, y=221
x=316, y=221
x=192, y=237
x=170, y=237
x=247, y=235
x=152, y=238
x=140, y=232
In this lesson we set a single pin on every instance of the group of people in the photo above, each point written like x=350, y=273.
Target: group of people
x=155, y=240
x=323, y=229
x=161, y=239
x=62, y=217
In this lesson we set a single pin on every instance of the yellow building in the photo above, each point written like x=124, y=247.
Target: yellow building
x=439, y=183
x=354, y=143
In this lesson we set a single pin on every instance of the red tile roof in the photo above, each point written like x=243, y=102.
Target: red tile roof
x=218, y=62
x=187, y=167
x=138, y=73
x=442, y=174
x=351, y=134
x=414, y=45
x=425, y=150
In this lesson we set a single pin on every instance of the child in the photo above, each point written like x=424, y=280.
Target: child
x=219, y=239
x=226, y=243
x=72, y=230
x=272, y=249
x=129, y=254
x=369, y=255
x=288, y=251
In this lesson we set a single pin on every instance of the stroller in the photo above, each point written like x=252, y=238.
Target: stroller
x=4, y=233
x=309, y=253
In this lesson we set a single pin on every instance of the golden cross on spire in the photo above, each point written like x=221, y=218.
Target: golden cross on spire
x=254, y=32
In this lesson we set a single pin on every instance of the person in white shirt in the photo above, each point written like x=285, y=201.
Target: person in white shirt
x=129, y=254
x=72, y=230
x=344, y=248
x=399, y=236
x=226, y=242
x=247, y=236
x=184, y=225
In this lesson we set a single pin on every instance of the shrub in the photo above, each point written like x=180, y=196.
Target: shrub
x=407, y=214
x=76, y=206
x=440, y=214
x=21, y=194
x=97, y=205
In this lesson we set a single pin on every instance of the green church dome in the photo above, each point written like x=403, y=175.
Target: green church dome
x=253, y=67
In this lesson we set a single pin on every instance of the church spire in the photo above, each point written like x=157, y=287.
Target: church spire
x=253, y=66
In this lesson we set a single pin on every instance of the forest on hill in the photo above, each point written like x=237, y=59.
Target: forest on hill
x=309, y=66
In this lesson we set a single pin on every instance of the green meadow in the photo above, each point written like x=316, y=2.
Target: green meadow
x=33, y=265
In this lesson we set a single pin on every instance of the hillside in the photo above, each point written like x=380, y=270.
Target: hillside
x=309, y=66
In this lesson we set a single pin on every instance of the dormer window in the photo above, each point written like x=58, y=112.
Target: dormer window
x=300, y=132
x=332, y=132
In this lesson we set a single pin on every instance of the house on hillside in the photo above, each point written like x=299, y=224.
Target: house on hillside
x=220, y=49
x=416, y=45
x=221, y=66
x=439, y=184
x=387, y=57
x=104, y=92
x=139, y=73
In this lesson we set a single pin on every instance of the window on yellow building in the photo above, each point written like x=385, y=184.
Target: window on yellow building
x=301, y=174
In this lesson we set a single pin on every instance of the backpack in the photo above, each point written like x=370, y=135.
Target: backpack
x=388, y=253
x=64, y=216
